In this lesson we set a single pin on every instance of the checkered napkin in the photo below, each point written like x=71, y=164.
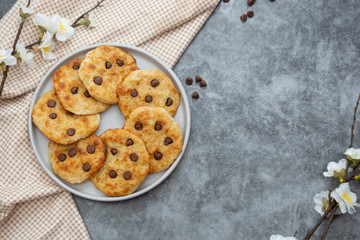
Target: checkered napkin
x=32, y=206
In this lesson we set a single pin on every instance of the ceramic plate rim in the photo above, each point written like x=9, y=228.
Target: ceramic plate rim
x=167, y=172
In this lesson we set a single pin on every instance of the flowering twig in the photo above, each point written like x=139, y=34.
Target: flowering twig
x=13, y=52
x=75, y=23
x=329, y=222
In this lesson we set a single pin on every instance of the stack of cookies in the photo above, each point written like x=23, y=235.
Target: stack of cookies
x=118, y=160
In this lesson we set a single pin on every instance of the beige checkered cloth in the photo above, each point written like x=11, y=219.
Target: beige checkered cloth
x=32, y=206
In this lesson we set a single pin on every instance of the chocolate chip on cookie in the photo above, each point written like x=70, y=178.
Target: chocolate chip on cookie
x=51, y=103
x=90, y=149
x=108, y=65
x=61, y=157
x=148, y=99
x=133, y=93
x=112, y=174
x=87, y=94
x=86, y=167
x=98, y=80
x=119, y=62
x=168, y=141
x=52, y=115
x=127, y=175
x=158, y=126
x=133, y=157
x=129, y=142
x=138, y=125
x=169, y=102
x=158, y=155
x=76, y=66
x=113, y=151
x=155, y=83
x=72, y=152
x=74, y=90
x=70, y=132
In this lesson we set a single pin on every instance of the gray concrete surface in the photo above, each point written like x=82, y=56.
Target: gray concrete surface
x=278, y=107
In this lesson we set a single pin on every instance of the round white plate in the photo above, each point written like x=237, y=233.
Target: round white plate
x=110, y=119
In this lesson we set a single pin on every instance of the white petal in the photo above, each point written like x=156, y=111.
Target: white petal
x=342, y=207
x=328, y=174
x=342, y=163
x=10, y=61
x=51, y=55
x=61, y=37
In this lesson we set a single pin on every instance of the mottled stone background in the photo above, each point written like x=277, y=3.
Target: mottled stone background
x=278, y=107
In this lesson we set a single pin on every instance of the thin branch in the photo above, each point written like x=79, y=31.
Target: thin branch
x=353, y=124
x=329, y=223
x=5, y=73
x=83, y=15
x=33, y=44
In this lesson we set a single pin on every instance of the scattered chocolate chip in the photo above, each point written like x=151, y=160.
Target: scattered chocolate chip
x=158, y=126
x=72, y=152
x=133, y=93
x=133, y=157
x=90, y=149
x=168, y=141
x=52, y=115
x=76, y=66
x=69, y=113
x=87, y=94
x=129, y=142
x=62, y=157
x=148, y=99
x=198, y=78
x=70, y=132
x=119, y=62
x=169, y=102
x=243, y=17
x=98, y=80
x=127, y=175
x=113, y=151
x=250, y=14
x=112, y=174
x=51, y=103
x=108, y=65
x=74, y=90
x=251, y=2
x=272, y=0
x=155, y=83
x=225, y=1
x=138, y=125
x=158, y=155
x=189, y=81
x=203, y=83
x=195, y=95
x=86, y=167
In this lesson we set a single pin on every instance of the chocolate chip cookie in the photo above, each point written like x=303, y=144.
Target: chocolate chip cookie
x=59, y=125
x=73, y=95
x=103, y=69
x=147, y=87
x=161, y=134
x=77, y=162
x=126, y=164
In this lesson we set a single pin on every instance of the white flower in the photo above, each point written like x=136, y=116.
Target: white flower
x=336, y=170
x=62, y=28
x=321, y=201
x=345, y=198
x=47, y=45
x=26, y=58
x=44, y=22
x=353, y=154
x=92, y=22
x=7, y=58
x=279, y=237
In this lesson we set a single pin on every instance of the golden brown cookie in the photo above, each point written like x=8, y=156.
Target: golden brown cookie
x=126, y=164
x=77, y=162
x=103, y=69
x=161, y=134
x=147, y=87
x=61, y=126
x=73, y=95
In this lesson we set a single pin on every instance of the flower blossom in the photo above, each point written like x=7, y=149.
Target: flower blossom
x=44, y=22
x=321, y=201
x=336, y=170
x=26, y=59
x=6, y=58
x=345, y=198
x=279, y=237
x=63, y=29
x=46, y=46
